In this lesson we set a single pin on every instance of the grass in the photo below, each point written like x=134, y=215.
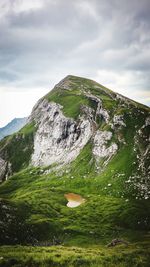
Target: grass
x=136, y=255
x=41, y=198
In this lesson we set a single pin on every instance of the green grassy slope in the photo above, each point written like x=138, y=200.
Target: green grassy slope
x=34, y=212
x=104, y=215
x=98, y=256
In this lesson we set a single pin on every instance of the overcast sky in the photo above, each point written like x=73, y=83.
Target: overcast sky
x=42, y=41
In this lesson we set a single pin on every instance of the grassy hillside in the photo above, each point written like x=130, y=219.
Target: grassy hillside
x=136, y=255
x=107, y=213
x=38, y=215
x=34, y=212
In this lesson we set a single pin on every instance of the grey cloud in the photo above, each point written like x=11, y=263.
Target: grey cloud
x=79, y=37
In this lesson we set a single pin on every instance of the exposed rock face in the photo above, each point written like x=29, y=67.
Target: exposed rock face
x=58, y=139
x=104, y=114
x=100, y=149
x=88, y=111
x=100, y=111
x=5, y=170
x=118, y=120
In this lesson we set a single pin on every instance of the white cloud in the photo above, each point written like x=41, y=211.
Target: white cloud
x=86, y=8
x=27, y=5
x=14, y=104
x=130, y=84
x=18, y=6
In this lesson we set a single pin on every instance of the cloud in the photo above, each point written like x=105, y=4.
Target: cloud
x=14, y=103
x=131, y=84
x=43, y=40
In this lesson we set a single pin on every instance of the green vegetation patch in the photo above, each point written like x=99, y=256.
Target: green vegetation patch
x=17, y=148
x=71, y=102
x=60, y=256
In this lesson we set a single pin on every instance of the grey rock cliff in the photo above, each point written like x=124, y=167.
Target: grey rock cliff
x=58, y=139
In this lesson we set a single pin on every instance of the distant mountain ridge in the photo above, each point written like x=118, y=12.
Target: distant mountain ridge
x=13, y=126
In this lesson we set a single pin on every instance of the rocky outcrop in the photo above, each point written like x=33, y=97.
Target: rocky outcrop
x=58, y=139
x=101, y=148
x=104, y=114
x=118, y=120
x=5, y=170
x=88, y=111
x=100, y=111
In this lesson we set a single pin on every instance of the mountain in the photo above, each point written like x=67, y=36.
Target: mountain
x=14, y=126
x=75, y=177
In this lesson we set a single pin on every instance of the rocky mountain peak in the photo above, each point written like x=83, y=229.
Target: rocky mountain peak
x=77, y=112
